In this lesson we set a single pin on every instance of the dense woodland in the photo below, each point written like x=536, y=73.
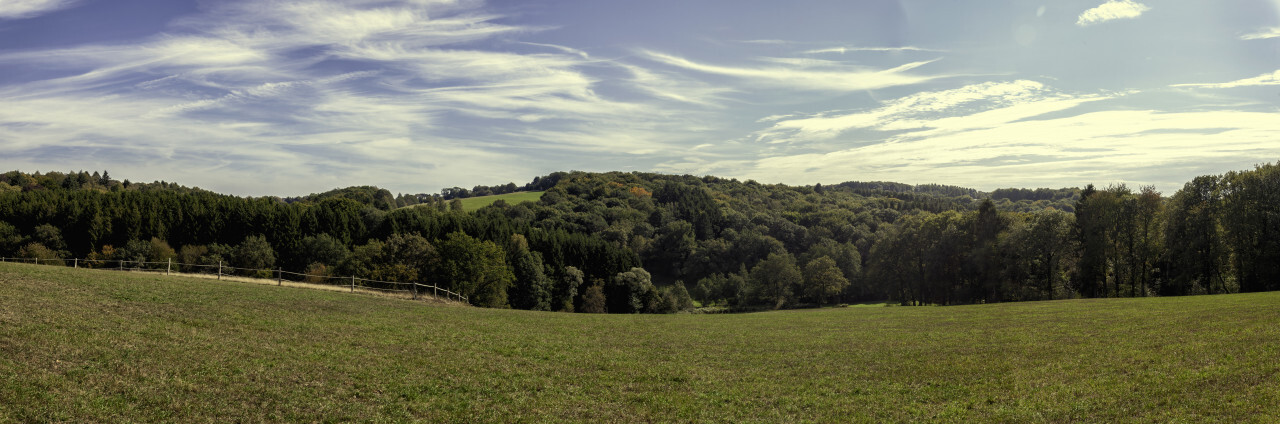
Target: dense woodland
x=641, y=242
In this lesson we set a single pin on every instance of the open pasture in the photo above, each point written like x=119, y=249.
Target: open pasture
x=94, y=346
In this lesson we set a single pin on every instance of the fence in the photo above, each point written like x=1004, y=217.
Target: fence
x=415, y=289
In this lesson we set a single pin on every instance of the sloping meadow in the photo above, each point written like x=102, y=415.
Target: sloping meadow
x=93, y=346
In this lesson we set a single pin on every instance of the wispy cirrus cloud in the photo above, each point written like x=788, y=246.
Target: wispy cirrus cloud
x=1018, y=133
x=1262, y=34
x=22, y=9
x=677, y=88
x=924, y=109
x=1022, y=148
x=806, y=74
x=1260, y=80
x=292, y=96
x=297, y=87
x=1112, y=10
x=852, y=49
x=1094, y=147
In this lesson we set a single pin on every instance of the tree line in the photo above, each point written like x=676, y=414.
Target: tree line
x=645, y=242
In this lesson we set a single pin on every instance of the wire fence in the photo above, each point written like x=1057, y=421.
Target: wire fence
x=415, y=290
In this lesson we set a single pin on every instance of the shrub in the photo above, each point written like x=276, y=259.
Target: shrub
x=593, y=300
x=40, y=252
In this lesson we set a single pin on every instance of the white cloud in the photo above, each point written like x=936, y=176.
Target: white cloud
x=1097, y=147
x=676, y=88
x=1001, y=134
x=22, y=9
x=252, y=87
x=1261, y=80
x=1265, y=33
x=922, y=109
x=807, y=74
x=848, y=49
x=565, y=49
x=1112, y=10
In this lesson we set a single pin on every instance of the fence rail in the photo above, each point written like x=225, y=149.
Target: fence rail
x=414, y=289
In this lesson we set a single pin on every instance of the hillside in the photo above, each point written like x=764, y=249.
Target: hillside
x=94, y=346
x=644, y=242
x=472, y=204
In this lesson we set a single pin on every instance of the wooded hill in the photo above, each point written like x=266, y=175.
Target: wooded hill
x=643, y=242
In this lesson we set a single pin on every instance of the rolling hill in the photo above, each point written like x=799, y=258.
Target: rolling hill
x=94, y=345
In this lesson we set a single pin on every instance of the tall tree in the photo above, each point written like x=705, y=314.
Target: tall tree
x=566, y=289
x=823, y=279
x=632, y=292
x=1198, y=255
x=532, y=289
x=1091, y=239
x=1251, y=220
x=1148, y=211
x=477, y=269
x=774, y=280
x=987, y=226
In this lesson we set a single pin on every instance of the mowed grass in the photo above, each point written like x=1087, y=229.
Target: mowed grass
x=473, y=203
x=95, y=346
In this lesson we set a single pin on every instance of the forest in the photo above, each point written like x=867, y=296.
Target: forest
x=656, y=243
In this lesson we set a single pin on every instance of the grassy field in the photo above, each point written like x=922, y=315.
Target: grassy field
x=94, y=346
x=472, y=203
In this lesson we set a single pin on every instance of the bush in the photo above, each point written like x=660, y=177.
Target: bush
x=40, y=252
x=190, y=255
x=254, y=253
x=317, y=273
x=593, y=301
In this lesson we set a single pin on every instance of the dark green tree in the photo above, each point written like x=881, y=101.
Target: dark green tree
x=1198, y=255
x=593, y=300
x=254, y=253
x=773, y=281
x=532, y=289
x=566, y=289
x=477, y=269
x=823, y=279
x=632, y=292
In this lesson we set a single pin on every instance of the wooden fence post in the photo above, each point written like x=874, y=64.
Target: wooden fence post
x=168, y=265
x=279, y=277
x=415, y=290
x=353, y=284
x=219, y=270
x=75, y=263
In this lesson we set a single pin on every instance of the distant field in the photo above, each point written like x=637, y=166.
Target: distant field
x=472, y=203
x=94, y=346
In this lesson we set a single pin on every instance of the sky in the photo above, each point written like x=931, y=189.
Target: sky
x=266, y=97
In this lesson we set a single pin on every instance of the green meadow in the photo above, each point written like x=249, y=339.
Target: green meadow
x=107, y=346
x=473, y=203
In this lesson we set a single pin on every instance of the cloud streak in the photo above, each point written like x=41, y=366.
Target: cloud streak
x=297, y=87
x=1017, y=133
x=1093, y=147
x=1262, y=34
x=1258, y=81
x=914, y=112
x=23, y=9
x=1112, y=10
x=807, y=74
x=295, y=96
x=850, y=49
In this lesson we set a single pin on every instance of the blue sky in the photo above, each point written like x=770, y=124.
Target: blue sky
x=266, y=97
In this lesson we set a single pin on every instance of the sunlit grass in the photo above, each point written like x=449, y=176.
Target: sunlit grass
x=93, y=345
x=472, y=203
